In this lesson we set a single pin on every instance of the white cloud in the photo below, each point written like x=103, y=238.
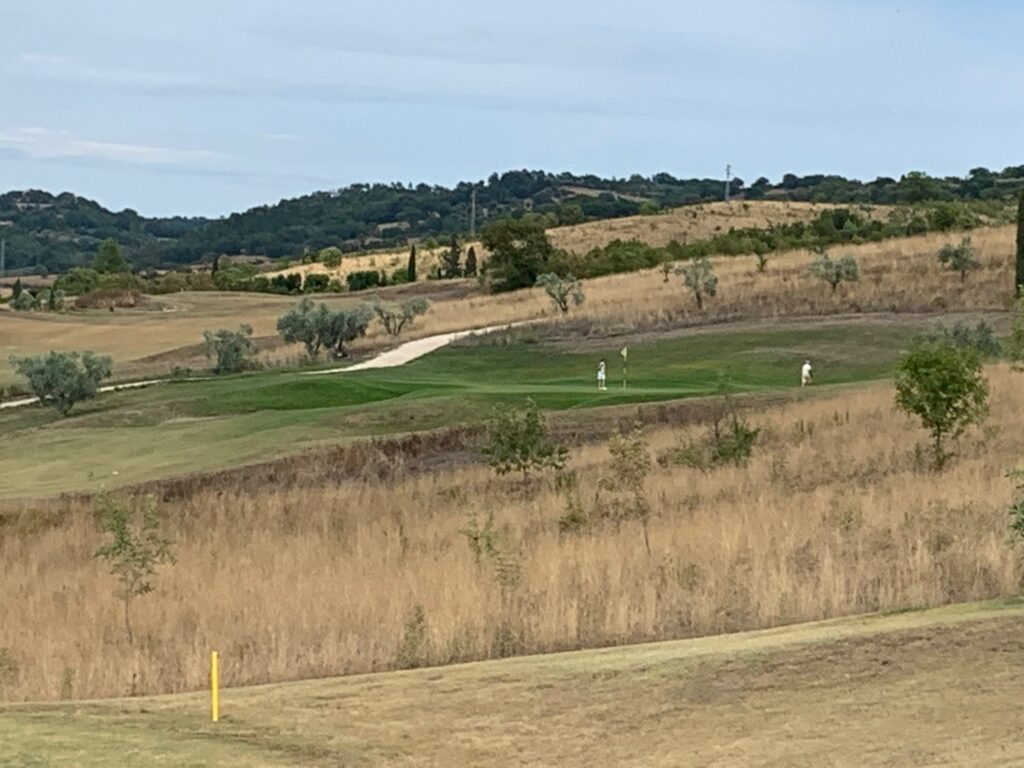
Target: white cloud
x=45, y=143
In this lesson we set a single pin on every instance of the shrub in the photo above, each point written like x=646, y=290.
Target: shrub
x=562, y=291
x=232, y=350
x=699, y=277
x=834, y=272
x=363, y=279
x=729, y=440
x=412, y=649
x=518, y=442
x=959, y=258
x=62, y=379
x=981, y=338
x=945, y=388
x=630, y=465
x=330, y=257
x=316, y=283
x=1017, y=508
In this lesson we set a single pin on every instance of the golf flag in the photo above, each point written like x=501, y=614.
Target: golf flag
x=625, y=353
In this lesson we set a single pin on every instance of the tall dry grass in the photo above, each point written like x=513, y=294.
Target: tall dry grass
x=832, y=516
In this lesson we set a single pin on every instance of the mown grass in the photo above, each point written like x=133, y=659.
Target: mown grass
x=183, y=427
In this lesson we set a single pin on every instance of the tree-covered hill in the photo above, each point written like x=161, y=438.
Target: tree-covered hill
x=46, y=232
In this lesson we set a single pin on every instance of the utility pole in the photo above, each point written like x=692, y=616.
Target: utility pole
x=472, y=213
x=728, y=178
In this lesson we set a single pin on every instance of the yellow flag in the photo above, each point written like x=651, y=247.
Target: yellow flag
x=625, y=353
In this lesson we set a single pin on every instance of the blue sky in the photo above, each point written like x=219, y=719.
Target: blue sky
x=211, y=107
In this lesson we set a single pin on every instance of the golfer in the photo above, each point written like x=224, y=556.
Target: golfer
x=806, y=376
x=602, y=376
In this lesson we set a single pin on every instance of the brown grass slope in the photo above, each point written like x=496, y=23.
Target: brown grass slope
x=833, y=516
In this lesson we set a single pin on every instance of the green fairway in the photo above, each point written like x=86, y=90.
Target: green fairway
x=936, y=687
x=177, y=428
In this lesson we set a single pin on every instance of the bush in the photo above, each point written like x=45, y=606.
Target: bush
x=316, y=283
x=945, y=388
x=232, y=350
x=363, y=279
x=981, y=338
x=959, y=258
x=730, y=440
x=518, y=442
x=700, y=278
x=834, y=272
x=562, y=291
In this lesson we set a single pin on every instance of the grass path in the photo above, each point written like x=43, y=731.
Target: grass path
x=936, y=687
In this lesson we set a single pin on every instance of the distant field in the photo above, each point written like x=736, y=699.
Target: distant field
x=178, y=428
x=896, y=276
x=938, y=687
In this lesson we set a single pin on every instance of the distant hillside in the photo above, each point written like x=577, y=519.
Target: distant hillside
x=46, y=232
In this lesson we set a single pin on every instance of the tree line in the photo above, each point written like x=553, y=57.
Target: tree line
x=53, y=233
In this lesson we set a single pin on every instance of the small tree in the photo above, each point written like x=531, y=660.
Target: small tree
x=959, y=258
x=62, y=379
x=410, y=269
x=135, y=548
x=451, y=259
x=109, y=259
x=16, y=290
x=471, y=265
x=563, y=291
x=395, y=317
x=330, y=256
x=1018, y=282
x=761, y=255
x=338, y=328
x=944, y=387
x=834, y=272
x=232, y=350
x=699, y=276
x=518, y=442
x=316, y=282
x=630, y=465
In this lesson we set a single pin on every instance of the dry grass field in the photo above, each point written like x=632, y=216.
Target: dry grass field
x=938, y=687
x=896, y=276
x=834, y=515
x=691, y=222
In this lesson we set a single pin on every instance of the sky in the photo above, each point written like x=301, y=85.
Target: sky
x=208, y=107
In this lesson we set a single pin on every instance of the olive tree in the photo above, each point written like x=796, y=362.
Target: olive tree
x=959, y=258
x=395, y=317
x=61, y=379
x=834, y=271
x=232, y=351
x=699, y=276
x=302, y=324
x=563, y=291
x=338, y=328
x=945, y=388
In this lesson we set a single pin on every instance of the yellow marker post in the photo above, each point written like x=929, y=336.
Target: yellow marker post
x=214, y=687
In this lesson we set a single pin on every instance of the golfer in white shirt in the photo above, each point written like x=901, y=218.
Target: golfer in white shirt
x=806, y=376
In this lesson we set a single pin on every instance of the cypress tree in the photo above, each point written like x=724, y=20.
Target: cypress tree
x=17, y=289
x=471, y=262
x=1020, y=246
x=411, y=269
